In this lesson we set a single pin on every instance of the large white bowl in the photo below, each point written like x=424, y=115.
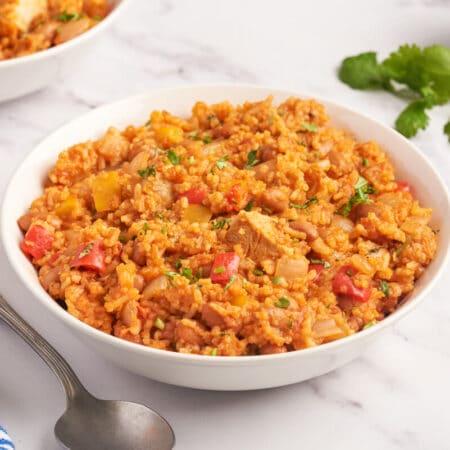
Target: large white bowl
x=209, y=372
x=20, y=76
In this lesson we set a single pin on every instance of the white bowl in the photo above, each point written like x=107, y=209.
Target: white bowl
x=20, y=76
x=209, y=372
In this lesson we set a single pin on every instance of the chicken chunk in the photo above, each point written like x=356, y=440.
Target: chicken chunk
x=256, y=235
x=16, y=16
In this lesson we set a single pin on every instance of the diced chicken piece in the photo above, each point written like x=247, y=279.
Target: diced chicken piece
x=96, y=8
x=266, y=170
x=256, y=235
x=17, y=15
x=216, y=315
x=72, y=29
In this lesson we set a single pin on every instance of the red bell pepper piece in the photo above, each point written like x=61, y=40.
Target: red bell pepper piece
x=343, y=284
x=37, y=241
x=318, y=268
x=224, y=267
x=403, y=186
x=90, y=256
x=195, y=196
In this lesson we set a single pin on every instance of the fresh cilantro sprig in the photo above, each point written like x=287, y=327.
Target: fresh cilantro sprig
x=362, y=189
x=421, y=75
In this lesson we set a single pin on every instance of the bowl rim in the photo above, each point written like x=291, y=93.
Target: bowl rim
x=55, y=51
x=37, y=291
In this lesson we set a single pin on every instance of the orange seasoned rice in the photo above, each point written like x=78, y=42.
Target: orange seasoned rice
x=240, y=230
x=30, y=26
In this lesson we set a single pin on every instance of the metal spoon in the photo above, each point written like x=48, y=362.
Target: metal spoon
x=89, y=423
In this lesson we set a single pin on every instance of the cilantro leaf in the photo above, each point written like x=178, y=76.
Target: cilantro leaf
x=447, y=130
x=362, y=71
x=251, y=159
x=412, y=119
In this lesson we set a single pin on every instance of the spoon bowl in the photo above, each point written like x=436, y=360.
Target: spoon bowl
x=93, y=424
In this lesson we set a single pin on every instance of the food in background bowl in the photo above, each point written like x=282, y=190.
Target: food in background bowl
x=241, y=230
x=30, y=26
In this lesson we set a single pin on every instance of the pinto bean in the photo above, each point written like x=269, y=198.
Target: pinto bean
x=24, y=222
x=139, y=282
x=212, y=317
x=275, y=199
x=186, y=331
x=308, y=228
x=267, y=152
x=138, y=254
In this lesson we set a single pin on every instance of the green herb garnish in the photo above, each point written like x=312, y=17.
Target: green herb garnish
x=213, y=352
x=305, y=205
x=222, y=162
x=249, y=205
x=148, y=123
x=159, y=323
x=86, y=250
x=324, y=263
x=67, y=17
x=207, y=139
x=170, y=275
x=174, y=158
x=251, y=159
x=122, y=239
x=266, y=209
x=384, y=287
x=232, y=278
x=283, y=302
x=219, y=269
x=276, y=280
x=219, y=224
x=362, y=189
x=312, y=127
x=365, y=162
x=370, y=324
x=420, y=75
x=144, y=173
x=258, y=272
x=187, y=273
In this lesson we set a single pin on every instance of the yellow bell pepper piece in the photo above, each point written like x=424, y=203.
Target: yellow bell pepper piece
x=197, y=213
x=106, y=191
x=169, y=134
x=68, y=207
x=239, y=300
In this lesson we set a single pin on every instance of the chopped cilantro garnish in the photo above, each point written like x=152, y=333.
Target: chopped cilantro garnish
x=365, y=162
x=144, y=173
x=177, y=263
x=170, y=275
x=122, y=239
x=159, y=215
x=276, y=280
x=305, y=205
x=219, y=269
x=213, y=352
x=258, y=272
x=291, y=324
x=145, y=227
x=266, y=209
x=232, y=278
x=187, y=273
x=324, y=263
x=362, y=189
x=148, y=123
x=447, y=130
x=251, y=159
x=219, y=224
x=86, y=250
x=67, y=17
x=312, y=127
x=249, y=205
x=222, y=162
x=174, y=158
x=159, y=323
x=207, y=139
x=384, y=287
x=283, y=302
x=400, y=249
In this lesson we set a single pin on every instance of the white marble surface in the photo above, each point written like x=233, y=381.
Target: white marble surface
x=396, y=397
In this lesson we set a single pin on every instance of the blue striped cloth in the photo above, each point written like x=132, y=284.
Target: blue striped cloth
x=5, y=441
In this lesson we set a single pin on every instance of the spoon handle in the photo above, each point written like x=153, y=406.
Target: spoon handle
x=51, y=357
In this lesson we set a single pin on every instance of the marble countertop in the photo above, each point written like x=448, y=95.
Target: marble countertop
x=395, y=397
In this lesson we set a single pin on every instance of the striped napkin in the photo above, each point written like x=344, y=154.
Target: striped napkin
x=5, y=441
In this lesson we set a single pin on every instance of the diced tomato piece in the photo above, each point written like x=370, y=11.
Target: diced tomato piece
x=318, y=268
x=195, y=196
x=343, y=284
x=90, y=256
x=37, y=241
x=403, y=186
x=225, y=265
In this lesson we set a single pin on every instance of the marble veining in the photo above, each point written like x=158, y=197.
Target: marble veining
x=396, y=396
